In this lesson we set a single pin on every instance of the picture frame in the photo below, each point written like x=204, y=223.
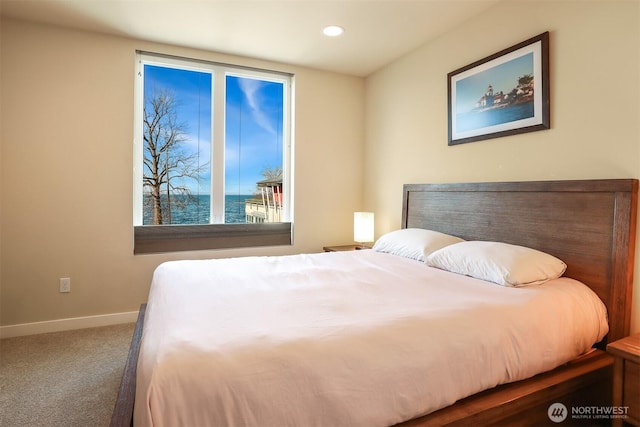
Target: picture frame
x=504, y=94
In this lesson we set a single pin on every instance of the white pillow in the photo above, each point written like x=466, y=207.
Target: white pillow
x=501, y=263
x=414, y=243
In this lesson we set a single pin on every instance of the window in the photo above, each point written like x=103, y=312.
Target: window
x=212, y=162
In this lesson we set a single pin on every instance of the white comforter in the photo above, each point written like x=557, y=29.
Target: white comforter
x=342, y=339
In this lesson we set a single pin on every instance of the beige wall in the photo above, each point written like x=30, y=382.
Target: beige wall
x=595, y=106
x=67, y=116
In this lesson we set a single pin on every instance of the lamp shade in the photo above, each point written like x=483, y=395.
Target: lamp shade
x=363, y=227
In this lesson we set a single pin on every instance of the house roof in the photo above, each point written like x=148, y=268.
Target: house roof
x=270, y=182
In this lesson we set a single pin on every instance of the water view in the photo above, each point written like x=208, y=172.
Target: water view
x=195, y=209
x=480, y=119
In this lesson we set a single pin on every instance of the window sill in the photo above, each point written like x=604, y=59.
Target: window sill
x=175, y=238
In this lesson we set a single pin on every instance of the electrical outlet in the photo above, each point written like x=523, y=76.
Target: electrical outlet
x=65, y=284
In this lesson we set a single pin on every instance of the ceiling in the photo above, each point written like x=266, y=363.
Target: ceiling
x=377, y=32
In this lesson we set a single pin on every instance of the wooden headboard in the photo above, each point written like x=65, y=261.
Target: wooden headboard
x=589, y=224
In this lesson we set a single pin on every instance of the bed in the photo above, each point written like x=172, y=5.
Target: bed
x=589, y=225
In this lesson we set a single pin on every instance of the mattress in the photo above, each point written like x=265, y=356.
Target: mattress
x=358, y=338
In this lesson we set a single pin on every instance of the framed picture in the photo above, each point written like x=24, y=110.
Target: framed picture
x=503, y=94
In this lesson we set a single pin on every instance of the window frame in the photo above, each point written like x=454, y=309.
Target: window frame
x=217, y=234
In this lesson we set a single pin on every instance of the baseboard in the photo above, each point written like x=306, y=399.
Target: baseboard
x=67, y=324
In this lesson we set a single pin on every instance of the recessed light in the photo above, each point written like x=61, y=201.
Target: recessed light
x=333, y=30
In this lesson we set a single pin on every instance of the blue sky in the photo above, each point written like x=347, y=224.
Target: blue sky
x=253, y=123
x=253, y=132
x=503, y=77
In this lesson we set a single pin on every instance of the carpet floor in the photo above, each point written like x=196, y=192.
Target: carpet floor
x=64, y=379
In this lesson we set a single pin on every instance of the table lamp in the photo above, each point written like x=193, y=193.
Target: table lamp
x=363, y=227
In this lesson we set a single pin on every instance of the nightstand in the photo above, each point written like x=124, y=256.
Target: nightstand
x=344, y=248
x=626, y=378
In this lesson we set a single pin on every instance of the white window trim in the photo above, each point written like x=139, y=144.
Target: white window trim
x=219, y=72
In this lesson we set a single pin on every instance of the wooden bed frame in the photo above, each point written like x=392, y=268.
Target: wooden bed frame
x=589, y=224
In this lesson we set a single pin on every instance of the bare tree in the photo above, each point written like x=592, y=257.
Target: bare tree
x=272, y=173
x=166, y=163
